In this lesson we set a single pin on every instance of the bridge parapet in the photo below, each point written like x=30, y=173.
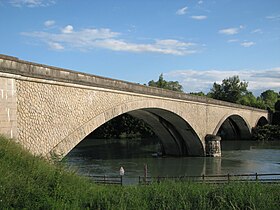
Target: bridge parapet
x=13, y=65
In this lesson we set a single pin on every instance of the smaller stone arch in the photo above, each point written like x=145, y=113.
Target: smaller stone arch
x=233, y=127
x=261, y=121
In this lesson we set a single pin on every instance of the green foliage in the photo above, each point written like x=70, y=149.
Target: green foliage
x=169, y=85
x=276, y=114
x=198, y=93
x=248, y=99
x=276, y=118
x=33, y=183
x=235, y=91
x=270, y=98
x=29, y=182
x=277, y=105
x=231, y=90
x=266, y=133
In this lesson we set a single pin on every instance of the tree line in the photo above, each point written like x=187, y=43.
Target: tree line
x=235, y=91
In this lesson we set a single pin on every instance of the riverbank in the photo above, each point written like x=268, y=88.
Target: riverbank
x=33, y=183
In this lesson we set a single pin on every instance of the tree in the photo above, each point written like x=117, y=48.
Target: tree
x=277, y=106
x=276, y=114
x=270, y=98
x=250, y=100
x=169, y=85
x=231, y=90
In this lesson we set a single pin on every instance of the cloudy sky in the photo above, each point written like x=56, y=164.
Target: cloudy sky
x=196, y=42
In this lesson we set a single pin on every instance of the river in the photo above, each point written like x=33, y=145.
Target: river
x=105, y=157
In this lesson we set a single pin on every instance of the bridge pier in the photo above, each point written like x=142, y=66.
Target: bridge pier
x=213, y=145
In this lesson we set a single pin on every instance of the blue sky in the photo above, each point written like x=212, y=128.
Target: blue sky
x=196, y=42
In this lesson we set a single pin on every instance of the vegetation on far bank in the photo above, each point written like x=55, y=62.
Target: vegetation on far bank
x=29, y=182
x=266, y=133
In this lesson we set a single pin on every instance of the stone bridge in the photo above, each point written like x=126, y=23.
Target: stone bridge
x=50, y=110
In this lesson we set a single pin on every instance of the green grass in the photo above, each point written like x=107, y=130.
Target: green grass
x=28, y=182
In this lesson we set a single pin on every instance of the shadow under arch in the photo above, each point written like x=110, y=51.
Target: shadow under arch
x=156, y=114
x=233, y=127
x=262, y=121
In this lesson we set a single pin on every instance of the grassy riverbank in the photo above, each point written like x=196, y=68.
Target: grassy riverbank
x=32, y=183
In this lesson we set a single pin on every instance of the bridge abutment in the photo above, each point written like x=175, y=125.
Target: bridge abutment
x=8, y=107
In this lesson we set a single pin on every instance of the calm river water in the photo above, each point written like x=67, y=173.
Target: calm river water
x=105, y=157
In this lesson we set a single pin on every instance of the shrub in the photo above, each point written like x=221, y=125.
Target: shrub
x=266, y=133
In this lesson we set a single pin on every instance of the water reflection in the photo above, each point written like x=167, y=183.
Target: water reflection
x=99, y=157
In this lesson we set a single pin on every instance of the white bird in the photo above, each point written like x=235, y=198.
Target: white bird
x=121, y=171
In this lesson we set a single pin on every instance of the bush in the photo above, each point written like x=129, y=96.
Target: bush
x=276, y=118
x=277, y=106
x=266, y=133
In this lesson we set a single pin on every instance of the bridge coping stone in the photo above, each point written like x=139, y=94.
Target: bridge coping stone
x=9, y=64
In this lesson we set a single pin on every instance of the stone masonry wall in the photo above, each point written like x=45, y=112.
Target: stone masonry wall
x=49, y=113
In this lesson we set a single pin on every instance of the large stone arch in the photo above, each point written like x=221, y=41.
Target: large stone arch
x=233, y=127
x=185, y=134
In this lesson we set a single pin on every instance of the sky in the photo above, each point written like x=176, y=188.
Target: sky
x=195, y=42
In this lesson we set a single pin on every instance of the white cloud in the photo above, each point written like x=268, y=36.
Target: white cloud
x=229, y=31
x=182, y=11
x=55, y=46
x=179, y=48
x=247, y=44
x=90, y=38
x=258, y=30
x=273, y=17
x=202, y=80
x=67, y=29
x=199, y=17
x=49, y=23
x=200, y=2
x=241, y=26
x=31, y=3
x=232, y=40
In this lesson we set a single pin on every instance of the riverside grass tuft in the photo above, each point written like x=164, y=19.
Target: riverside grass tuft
x=28, y=182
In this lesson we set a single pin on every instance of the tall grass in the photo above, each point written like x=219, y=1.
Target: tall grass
x=32, y=183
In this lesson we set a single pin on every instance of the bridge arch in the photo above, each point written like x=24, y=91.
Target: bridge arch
x=261, y=121
x=176, y=133
x=233, y=127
